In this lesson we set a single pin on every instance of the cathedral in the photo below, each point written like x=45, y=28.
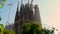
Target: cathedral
x=28, y=13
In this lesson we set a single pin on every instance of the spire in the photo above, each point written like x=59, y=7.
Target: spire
x=17, y=13
x=28, y=3
x=18, y=7
x=31, y=5
x=32, y=1
x=21, y=2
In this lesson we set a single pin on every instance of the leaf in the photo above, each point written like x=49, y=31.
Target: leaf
x=4, y=1
x=3, y=5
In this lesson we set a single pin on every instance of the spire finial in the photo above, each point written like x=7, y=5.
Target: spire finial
x=31, y=1
x=18, y=3
x=28, y=3
x=18, y=6
x=21, y=2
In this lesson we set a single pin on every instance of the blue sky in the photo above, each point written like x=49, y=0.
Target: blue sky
x=49, y=11
x=5, y=10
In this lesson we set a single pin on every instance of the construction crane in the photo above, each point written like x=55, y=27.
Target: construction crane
x=10, y=5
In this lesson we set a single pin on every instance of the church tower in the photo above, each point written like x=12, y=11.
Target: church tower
x=28, y=12
x=17, y=20
x=25, y=15
x=37, y=14
x=21, y=14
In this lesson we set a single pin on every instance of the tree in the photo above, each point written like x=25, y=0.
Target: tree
x=4, y=31
x=1, y=28
x=31, y=28
x=35, y=28
x=8, y=32
x=2, y=2
x=11, y=32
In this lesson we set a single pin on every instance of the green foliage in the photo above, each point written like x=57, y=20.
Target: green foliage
x=1, y=28
x=4, y=31
x=2, y=2
x=31, y=28
x=11, y=32
x=47, y=31
x=35, y=28
x=8, y=32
